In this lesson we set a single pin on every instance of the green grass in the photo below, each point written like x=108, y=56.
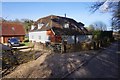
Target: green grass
x=25, y=43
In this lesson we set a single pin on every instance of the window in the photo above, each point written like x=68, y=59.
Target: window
x=40, y=25
x=32, y=27
x=13, y=28
x=47, y=25
x=32, y=37
x=39, y=37
x=66, y=25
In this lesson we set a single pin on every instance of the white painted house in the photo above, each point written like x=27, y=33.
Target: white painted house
x=56, y=29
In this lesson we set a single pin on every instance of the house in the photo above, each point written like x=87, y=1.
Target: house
x=56, y=29
x=11, y=29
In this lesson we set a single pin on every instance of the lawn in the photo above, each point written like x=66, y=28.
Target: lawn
x=26, y=43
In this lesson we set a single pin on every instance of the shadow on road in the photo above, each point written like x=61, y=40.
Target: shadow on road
x=105, y=65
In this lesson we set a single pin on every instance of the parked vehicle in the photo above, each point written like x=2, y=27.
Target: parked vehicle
x=13, y=42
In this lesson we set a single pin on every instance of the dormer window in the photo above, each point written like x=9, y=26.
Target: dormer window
x=66, y=25
x=13, y=28
x=40, y=25
x=82, y=28
x=47, y=24
x=32, y=27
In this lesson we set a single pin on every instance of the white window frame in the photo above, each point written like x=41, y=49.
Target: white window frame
x=66, y=25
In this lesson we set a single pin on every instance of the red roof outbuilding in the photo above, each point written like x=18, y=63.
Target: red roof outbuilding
x=12, y=28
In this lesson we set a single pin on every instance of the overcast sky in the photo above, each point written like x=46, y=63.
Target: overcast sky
x=79, y=11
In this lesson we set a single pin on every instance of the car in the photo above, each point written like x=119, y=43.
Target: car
x=13, y=42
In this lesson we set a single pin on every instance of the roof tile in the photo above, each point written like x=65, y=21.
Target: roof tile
x=12, y=28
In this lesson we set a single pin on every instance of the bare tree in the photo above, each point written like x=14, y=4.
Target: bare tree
x=112, y=6
x=98, y=25
x=90, y=28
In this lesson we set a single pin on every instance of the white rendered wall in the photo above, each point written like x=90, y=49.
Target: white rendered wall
x=39, y=36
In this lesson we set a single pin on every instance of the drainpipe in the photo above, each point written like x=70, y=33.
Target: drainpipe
x=75, y=38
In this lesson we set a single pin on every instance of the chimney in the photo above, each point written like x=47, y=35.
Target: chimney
x=65, y=14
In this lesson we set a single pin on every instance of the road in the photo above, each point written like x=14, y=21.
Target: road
x=105, y=65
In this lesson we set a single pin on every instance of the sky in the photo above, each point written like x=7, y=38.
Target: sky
x=79, y=11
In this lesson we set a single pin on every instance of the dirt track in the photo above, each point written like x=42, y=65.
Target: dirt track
x=24, y=70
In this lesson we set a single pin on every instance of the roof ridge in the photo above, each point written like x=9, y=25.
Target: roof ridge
x=11, y=23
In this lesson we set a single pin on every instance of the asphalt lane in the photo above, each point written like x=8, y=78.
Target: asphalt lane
x=104, y=65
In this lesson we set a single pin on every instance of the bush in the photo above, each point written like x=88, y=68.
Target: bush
x=102, y=38
x=8, y=59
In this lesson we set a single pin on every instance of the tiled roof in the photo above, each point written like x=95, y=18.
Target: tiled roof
x=12, y=28
x=58, y=22
x=66, y=31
